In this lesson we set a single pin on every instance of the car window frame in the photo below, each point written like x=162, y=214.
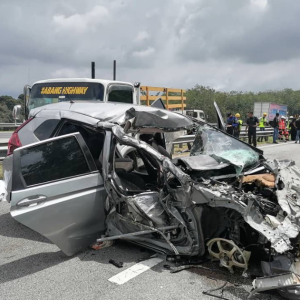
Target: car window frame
x=18, y=182
x=63, y=121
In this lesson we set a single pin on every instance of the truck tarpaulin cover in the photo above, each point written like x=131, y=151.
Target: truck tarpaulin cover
x=224, y=148
x=161, y=119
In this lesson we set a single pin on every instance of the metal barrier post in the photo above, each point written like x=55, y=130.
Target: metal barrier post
x=167, y=98
x=182, y=106
x=147, y=96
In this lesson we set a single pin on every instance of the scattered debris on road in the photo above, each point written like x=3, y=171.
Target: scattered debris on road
x=117, y=264
x=100, y=245
x=209, y=292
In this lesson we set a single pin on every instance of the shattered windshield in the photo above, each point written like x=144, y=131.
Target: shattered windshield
x=224, y=148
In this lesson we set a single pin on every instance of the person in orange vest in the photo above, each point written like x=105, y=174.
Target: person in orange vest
x=283, y=132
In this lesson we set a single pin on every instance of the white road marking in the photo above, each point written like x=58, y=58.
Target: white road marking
x=273, y=145
x=135, y=270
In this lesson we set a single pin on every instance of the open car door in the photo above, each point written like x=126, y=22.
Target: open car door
x=58, y=192
x=221, y=123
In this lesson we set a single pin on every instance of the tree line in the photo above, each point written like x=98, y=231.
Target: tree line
x=203, y=97
x=7, y=104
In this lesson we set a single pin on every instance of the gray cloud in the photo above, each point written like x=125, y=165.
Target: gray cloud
x=233, y=44
x=257, y=31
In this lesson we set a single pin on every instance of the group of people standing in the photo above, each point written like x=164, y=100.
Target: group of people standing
x=234, y=126
x=285, y=129
x=282, y=129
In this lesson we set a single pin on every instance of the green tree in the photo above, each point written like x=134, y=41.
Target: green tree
x=201, y=97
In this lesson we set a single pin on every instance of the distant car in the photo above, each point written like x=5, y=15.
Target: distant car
x=82, y=171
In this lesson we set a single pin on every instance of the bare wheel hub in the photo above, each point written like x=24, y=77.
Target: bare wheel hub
x=228, y=253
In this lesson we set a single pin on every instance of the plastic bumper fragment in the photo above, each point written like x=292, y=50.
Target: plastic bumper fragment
x=288, y=284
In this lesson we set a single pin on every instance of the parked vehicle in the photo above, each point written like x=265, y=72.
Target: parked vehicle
x=197, y=114
x=76, y=183
x=271, y=109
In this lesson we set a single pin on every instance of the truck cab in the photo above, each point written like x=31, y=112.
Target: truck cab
x=196, y=113
x=50, y=91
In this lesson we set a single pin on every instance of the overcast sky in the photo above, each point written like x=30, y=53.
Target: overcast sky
x=226, y=44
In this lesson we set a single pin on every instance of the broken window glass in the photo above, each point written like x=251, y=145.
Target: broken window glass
x=224, y=148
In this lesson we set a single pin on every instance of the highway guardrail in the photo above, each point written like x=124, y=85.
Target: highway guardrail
x=9, y=125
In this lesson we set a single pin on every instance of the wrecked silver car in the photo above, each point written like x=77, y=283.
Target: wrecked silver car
x=105, y=176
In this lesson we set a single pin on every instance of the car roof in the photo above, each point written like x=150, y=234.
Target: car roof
x=117, y=113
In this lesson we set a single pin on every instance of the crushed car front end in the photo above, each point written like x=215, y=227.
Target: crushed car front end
x=224, y=200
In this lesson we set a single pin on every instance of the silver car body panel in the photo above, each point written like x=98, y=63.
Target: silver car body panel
x=69, y=212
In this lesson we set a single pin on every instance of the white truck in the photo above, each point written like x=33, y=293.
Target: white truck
x=194, y=113
x=49, y=91
x=79, y=89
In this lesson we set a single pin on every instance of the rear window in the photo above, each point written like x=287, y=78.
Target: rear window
x=52, y=161
x=45, y=130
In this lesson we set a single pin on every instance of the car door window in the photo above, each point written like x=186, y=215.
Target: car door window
x=121, y=93
x=51, y=161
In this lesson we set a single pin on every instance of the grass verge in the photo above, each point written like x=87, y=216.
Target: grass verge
x=1, y=171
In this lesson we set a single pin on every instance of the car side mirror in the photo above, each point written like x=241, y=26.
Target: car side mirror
x=16, y=112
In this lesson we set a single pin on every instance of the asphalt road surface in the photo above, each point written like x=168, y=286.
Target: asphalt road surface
x=33, y=268
x=288, y=150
